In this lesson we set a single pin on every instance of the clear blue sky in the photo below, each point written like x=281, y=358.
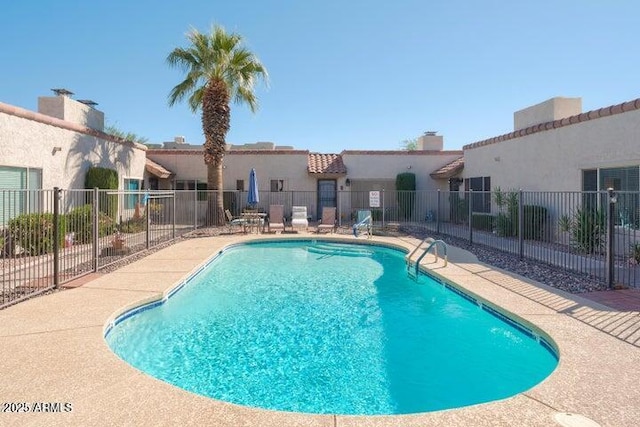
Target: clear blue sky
x=344, y=74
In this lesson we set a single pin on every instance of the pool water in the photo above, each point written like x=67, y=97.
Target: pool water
x=321, y=327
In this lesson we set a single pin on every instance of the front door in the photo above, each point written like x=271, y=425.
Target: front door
x=326, y=195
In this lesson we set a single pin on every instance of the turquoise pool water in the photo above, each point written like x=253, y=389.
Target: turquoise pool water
x=320, y=327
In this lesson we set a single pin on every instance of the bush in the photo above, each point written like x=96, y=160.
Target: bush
x=406, y=187
x=535, y=218
x=134, y=225
x=635, y=253
x=459, y=209
x=588, y=230
x=80, y=222
x=34, y=232
x=504, y=226
x=104, y=179
x=482, y=221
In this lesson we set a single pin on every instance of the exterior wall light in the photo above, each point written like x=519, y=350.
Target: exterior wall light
x=347, y=182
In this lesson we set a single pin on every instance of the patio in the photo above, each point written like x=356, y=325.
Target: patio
x=53, y=350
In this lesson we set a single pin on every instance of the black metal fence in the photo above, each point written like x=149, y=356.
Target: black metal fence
x=49, y=237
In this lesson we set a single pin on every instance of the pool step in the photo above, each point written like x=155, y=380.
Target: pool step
x=339, y=249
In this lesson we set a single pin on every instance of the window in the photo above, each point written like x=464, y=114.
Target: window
x=193, y=185
x=130, y=200
x=240, y=184
x=202, y=190
x=624, y=180
x=480, y=202
x=277, y=185
x=590, y=183
x=14, y=203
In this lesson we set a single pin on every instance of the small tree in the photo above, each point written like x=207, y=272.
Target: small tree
x=409, y=144
x=129, y=136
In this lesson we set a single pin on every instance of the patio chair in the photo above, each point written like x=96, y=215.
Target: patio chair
x=276, y=217
x=364, y=223
x=328, y=221
x=299, y=217
x=234, y=221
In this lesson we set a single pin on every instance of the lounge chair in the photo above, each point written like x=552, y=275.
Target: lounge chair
x=299, y=217
x=328, y=221
x=234, y=221
x=276, y=217
x=364, y=223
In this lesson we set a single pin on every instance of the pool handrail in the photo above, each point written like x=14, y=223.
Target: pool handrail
x=434, y=243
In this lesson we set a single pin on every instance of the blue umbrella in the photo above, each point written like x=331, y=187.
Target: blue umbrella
x=253, y=198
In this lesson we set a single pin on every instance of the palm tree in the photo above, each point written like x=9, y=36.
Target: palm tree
x=219, y=69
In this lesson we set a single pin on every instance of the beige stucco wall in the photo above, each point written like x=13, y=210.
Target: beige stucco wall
x=28, y=143
x=388, y=164
x=547, y=111
x=70, y=110
x=291, y=166
x=553, y=160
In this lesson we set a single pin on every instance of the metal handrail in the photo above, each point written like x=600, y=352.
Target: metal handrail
x=426, y=251
x=414, y=251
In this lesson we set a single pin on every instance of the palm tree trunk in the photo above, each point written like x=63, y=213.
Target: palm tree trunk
x=215, y=199
x=215, y=125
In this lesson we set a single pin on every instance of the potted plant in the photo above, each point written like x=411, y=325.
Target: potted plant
x=118, y=240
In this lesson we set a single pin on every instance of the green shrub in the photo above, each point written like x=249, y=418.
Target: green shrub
x=482, y=221
x=504, y=226
x=80, y=222
x=134, y=225
x=34, y=232
x=405, y=193
x=635, y=252
x=588, y=230
x=104, y=179
x=535, y=218
x=459, y=209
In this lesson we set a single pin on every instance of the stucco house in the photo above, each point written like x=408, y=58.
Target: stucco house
x=55, y=146
x=318, y=179
x=554, y=147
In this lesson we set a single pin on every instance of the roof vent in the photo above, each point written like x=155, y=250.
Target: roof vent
x=62, y=92
x=88, y=102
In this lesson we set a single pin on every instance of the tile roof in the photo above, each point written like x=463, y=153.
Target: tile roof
x=567, y=121
x=325, y=163
x=449, y=170
x=157, y=169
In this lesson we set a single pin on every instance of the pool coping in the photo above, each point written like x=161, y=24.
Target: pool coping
x=53, y=350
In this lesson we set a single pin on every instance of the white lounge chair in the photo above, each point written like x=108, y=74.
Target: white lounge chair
x=364, y=223
x=276, y=218
x=299, y=217
x=234, y=221
x=328, y=221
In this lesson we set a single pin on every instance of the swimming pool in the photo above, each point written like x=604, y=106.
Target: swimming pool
x=319, y=327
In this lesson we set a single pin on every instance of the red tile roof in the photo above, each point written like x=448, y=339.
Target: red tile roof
x=157, y=169
x=449, y=170
x=325, y=163
x=568, y=121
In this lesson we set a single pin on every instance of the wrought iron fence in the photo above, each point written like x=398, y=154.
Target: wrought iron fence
x=48, y=237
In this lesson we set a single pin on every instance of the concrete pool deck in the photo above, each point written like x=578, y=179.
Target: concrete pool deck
x=53, y=351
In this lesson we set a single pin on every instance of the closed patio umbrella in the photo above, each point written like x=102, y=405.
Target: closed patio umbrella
x=253, y=198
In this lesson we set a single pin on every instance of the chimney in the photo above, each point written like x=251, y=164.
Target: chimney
x=430, y=141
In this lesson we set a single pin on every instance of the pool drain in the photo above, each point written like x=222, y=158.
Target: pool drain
x=566, y=419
